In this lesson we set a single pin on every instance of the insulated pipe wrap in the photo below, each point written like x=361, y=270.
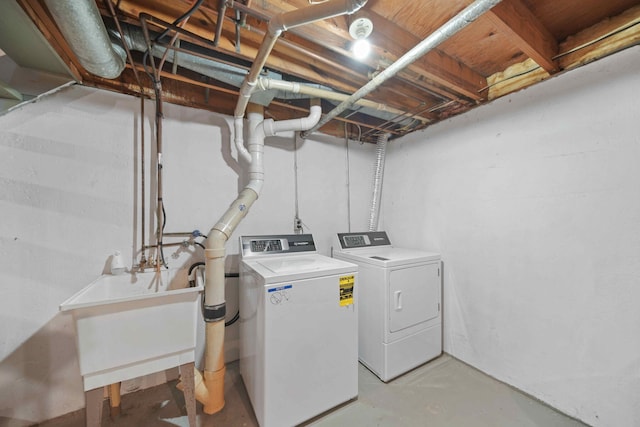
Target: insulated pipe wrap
x=81, y=24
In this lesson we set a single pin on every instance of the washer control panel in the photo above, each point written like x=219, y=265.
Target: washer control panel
x=363, y=239
x=251, y=246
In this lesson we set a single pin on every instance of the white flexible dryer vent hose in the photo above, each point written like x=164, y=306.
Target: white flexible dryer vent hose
x=378, y=175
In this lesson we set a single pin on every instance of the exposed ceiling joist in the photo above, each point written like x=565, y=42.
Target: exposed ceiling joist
x=516, y=44
x=527, y=32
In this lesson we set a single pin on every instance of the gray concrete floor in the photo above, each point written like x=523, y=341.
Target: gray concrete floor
x=444, y=392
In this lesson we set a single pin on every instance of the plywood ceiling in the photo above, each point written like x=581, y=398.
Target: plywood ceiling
x=516, y=44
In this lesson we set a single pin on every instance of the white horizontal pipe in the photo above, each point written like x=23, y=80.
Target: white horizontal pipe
x=265, y=83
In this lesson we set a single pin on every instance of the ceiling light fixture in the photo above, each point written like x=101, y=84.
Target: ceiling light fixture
x=360, y=28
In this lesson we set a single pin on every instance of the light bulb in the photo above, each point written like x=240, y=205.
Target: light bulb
x=361, y=48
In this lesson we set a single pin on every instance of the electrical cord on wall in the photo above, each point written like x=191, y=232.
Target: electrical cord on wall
x=164, y=223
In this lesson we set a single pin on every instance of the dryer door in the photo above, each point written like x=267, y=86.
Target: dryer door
x=414, y=295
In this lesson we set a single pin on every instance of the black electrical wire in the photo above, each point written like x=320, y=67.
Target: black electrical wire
x=233, y=320
x=181, y=18
x=201, y=263
x=193, y=266
x=164, y=222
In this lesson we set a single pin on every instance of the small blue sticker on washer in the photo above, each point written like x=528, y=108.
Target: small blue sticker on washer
x=280, y=288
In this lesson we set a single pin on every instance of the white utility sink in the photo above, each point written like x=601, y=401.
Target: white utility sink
x=134, y=324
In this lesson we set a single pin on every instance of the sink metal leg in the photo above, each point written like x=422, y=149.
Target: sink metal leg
x=93, y=406
x=188, y=382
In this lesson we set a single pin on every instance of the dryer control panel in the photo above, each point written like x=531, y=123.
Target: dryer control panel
x=252, y=246
x=363, y=239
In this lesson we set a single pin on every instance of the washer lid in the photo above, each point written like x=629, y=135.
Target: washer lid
x=387, y=256
x=288, y=268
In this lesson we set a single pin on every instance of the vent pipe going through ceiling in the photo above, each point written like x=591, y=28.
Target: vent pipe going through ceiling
x=267, y=87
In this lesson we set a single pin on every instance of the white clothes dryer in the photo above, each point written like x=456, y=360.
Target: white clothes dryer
x=298, y=329
x=399, y=305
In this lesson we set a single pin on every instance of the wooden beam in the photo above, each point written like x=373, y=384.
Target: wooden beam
x=521, y=25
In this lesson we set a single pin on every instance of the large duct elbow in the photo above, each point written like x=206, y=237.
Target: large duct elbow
x=81, y=24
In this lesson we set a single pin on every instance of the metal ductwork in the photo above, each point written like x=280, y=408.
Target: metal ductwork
x=269, y=86
x=81, y=24
x=100, y=51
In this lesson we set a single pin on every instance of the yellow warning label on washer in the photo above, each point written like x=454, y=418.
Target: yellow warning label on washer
x=346, y=290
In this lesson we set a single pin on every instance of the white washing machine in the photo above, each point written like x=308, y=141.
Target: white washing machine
x=298, y=329
x=400, y=317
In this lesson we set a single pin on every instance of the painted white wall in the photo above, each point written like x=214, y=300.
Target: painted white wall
x=69, y=190
x=534, y=203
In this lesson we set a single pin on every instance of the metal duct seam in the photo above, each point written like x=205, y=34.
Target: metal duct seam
x=81, y=24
